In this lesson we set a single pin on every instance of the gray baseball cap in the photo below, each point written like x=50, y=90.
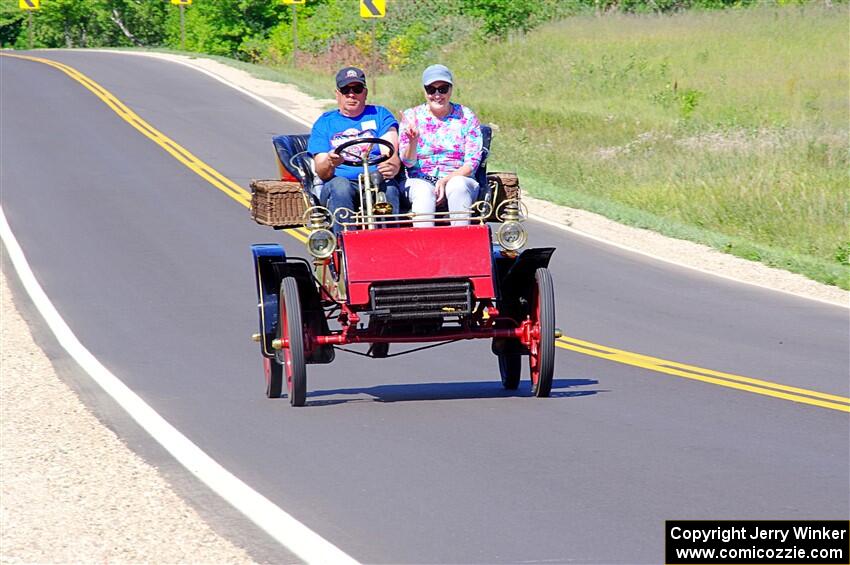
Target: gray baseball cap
x=437, y=73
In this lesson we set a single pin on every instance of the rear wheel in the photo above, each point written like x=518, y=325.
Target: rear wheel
x=379, y=350
x=510, y=367
x=542, y=351
x=274, y=377
x=292, y=330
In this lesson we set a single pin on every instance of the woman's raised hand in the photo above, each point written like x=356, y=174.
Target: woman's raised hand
x=409, y=128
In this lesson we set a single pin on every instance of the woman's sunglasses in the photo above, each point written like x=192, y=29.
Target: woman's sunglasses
x=355, y=88
x=441, y=89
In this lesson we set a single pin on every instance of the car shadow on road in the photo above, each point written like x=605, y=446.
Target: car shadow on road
x=412, y=392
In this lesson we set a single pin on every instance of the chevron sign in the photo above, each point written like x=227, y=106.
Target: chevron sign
x=373, y=8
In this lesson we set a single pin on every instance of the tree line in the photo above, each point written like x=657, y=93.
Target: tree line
x=260, y=31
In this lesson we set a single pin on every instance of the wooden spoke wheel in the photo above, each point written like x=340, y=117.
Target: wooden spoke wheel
x=542, y=350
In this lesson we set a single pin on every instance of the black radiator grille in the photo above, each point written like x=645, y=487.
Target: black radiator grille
x=416, y=300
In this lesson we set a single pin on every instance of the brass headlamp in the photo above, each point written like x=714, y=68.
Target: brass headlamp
x=321, y=241
x=511, y=235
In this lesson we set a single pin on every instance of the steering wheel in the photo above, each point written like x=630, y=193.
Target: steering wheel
x=351, y=158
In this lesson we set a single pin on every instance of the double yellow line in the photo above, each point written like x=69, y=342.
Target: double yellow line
x=177, y=151
x=239, y=194
x=729, y=380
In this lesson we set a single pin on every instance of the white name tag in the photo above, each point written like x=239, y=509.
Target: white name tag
x=369, y=124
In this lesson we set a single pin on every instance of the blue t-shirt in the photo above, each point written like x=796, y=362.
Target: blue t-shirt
x=332, y=129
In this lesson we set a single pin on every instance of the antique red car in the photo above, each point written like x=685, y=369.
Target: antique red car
x=382, y=280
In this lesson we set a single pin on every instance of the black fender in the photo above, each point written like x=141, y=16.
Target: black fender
x=271, y=266
x=517, y=277
x=515, y=281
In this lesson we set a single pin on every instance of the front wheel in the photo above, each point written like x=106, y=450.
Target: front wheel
x=292, y=330
x=542, y=350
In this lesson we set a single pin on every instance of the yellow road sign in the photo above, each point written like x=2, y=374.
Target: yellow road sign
x=373, y=8
x=293, y=1
x=29, y=4
x=183, y=2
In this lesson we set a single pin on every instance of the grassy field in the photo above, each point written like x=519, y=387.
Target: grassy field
x=726, y=127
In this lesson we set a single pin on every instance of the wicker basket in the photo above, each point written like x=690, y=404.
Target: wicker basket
x=503, y=186
x=278, y=203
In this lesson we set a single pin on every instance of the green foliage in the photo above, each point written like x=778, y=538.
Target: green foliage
x=260, y=30
x=500, y=16
x=726, y=123
x=143, y=21
x=84, y=23
x=226, y=27
x=666, y=6
x=13, y=23
x=69, y=23
x=842, y=253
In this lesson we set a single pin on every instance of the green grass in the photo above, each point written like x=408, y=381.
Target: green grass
x=729, y=128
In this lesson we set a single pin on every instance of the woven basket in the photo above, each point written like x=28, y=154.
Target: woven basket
x=278, y=203
x=503, y=186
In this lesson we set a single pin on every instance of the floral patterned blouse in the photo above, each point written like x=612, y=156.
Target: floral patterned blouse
x=444, y=144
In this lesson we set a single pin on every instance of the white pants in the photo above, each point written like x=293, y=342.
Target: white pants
x=460, y=192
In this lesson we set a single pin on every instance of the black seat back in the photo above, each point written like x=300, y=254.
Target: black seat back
x=481, y=174
x=289, y=146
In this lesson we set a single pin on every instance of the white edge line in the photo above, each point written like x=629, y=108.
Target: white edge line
x=535, y=217
x=285, y=529
x=573, y=230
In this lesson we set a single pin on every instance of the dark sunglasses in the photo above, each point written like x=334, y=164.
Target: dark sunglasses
x=355, y=88
x=441, y=89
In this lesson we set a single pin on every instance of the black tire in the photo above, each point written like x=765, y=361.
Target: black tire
x=294, y=364
x=274, y=377
x=510, y=367
x=380, y=350
x=542, y=364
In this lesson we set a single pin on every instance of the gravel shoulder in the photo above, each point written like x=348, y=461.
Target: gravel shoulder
x=72, y=491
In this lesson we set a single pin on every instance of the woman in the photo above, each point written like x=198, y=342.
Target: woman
x=440, y=145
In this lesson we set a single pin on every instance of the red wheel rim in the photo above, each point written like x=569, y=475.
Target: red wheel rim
x=287, y=354
x=267, y=370
x=534, y=349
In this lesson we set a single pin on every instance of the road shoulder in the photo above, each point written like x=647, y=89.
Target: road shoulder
x=72, y=491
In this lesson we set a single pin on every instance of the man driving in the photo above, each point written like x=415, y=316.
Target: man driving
x=353, y=119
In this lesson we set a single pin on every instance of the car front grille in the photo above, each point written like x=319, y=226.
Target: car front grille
x=417, y=300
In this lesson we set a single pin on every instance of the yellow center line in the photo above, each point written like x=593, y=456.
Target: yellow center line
x=243, y=197
x=177, y=151
x=729, y=380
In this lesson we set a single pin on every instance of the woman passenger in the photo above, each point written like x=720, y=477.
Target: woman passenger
x=440, y=145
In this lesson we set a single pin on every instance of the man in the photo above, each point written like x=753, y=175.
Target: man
x=353, y=119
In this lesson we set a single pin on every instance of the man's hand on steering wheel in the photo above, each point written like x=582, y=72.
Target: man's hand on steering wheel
x=389, y=168
x=334, y=158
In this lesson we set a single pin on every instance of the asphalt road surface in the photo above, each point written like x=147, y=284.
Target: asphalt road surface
x=421, y=458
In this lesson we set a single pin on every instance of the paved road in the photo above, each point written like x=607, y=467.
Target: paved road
x=421, y=458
